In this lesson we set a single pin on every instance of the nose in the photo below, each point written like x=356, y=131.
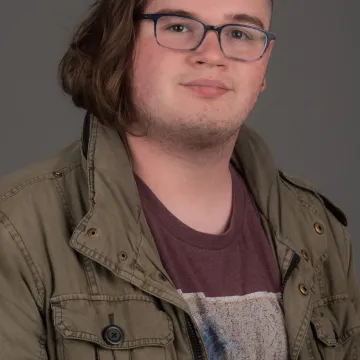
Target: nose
x=209, y=51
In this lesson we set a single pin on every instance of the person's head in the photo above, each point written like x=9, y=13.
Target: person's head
x=117, y=69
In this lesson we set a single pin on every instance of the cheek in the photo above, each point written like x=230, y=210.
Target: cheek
x=251, y=76
x=149, y=67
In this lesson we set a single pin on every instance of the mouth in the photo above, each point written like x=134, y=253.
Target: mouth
x=208, y=83
x=208, y=88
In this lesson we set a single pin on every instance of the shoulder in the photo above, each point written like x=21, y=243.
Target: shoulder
x=334, y=219
x=308, y=193
x=33, y=200
x=38, y=176
x=34, y=210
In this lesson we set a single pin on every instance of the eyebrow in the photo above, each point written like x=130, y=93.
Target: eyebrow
x=240, y=18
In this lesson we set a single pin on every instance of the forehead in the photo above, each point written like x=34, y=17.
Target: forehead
x=214, y=11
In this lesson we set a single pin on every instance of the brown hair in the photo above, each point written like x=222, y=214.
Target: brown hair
x=95, y=70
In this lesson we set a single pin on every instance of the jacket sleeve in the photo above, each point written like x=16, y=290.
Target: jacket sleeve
x=353, y=282
x=21, y=293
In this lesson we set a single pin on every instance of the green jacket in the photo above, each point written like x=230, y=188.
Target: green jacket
x=81, y=278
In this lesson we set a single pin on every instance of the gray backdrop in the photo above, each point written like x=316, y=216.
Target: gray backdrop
x=309, y=114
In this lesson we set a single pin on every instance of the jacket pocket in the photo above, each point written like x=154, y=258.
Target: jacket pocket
x=336, y=329
x=100, y=327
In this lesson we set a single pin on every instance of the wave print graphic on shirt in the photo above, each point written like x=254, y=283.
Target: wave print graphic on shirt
x=249, y=327
x=215, y=346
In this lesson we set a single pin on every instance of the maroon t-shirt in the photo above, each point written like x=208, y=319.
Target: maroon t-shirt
x=230, y=281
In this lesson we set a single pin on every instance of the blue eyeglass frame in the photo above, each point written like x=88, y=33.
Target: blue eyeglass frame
x=155, y=18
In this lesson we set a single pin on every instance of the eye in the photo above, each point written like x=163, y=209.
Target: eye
x=177, y=28
x=238, y=34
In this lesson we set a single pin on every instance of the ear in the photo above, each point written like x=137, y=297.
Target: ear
x=268, y=54
x=263, y=85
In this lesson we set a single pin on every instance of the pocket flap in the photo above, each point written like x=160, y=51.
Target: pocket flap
x=86, y=317
x=335, y=320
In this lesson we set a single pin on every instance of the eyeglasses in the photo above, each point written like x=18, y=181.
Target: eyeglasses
x=237, y=41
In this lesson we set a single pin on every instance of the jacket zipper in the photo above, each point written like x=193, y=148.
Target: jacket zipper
x=295, y=260
x=195, y=343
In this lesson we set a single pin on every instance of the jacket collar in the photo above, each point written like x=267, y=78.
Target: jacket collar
x=114, y=232
x=251, y=156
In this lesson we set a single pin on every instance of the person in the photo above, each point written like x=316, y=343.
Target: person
x=167, y=231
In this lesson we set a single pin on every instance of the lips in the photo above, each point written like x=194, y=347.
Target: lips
x=207, y=88
x=208, y=83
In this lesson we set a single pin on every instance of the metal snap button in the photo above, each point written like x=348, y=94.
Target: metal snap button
x=304, y=289
x=305, y=255
x=92, y=233
x=319, y=228
x=113, y=335
x=57, y=174
x=123, y=256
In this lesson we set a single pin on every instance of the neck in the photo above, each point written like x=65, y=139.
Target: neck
x=195, y=186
